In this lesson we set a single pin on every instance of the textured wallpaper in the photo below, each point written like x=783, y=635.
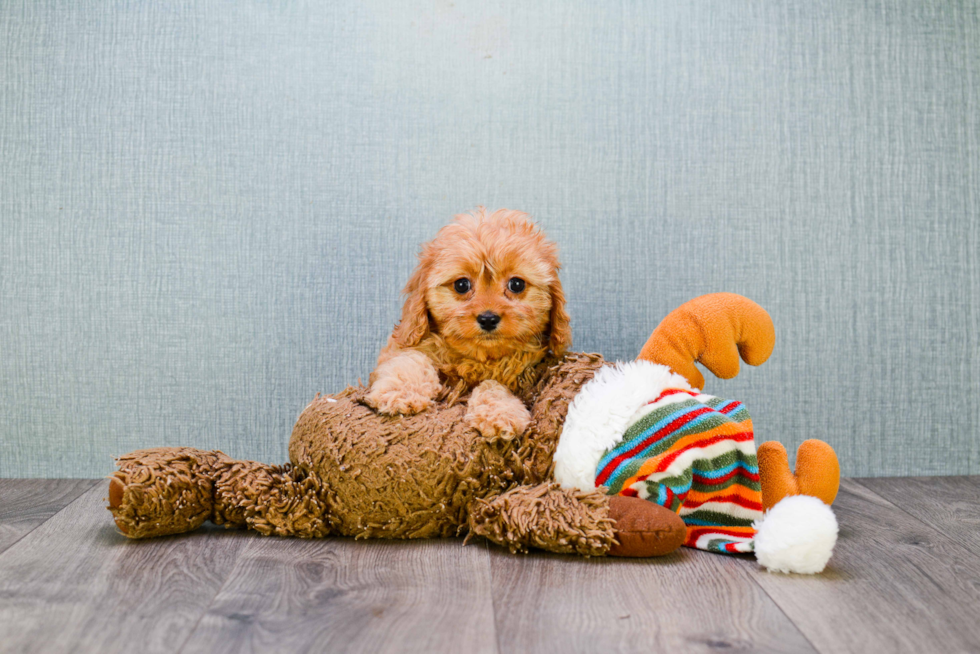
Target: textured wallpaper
x=208, y=209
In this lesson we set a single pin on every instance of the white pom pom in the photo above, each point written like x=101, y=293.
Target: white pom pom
x=796, y=535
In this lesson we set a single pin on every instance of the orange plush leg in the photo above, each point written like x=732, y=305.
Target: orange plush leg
x=817, y=472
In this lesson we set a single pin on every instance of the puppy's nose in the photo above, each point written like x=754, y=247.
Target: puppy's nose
x=488, y=321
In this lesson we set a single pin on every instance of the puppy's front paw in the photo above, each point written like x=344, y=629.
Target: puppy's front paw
x=495, y=412
x=397, y=401
x=404, y=385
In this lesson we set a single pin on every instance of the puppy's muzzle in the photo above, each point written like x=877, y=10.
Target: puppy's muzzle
x=488, y=321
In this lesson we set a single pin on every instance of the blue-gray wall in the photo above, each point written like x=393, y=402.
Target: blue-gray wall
x=208, y=208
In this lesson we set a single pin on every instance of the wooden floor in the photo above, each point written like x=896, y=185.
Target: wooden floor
x=905, y=578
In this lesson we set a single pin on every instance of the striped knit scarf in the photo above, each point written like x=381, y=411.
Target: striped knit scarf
x=695, y=455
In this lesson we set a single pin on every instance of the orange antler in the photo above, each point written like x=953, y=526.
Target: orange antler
x=713, y=330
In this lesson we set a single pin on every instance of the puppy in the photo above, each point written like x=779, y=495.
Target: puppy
x=482, y=308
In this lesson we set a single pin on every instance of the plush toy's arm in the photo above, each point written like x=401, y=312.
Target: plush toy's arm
x=569, y=521
x=713, y=330
x=545, y=517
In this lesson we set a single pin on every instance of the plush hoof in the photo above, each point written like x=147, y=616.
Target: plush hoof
x=116, y=489
x=643, y=528
x=817, y=472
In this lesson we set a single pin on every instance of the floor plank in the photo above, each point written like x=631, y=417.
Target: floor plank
x=905, y=577
x=75, y=585
x=340, y=595
x=688, y=601
x=950, y=504
x=26, y=503
x=893, y=585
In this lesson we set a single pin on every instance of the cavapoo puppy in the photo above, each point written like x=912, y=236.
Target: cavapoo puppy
x=482, y=308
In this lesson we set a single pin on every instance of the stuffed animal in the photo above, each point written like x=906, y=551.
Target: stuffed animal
x=627, y=459
x=644, y=429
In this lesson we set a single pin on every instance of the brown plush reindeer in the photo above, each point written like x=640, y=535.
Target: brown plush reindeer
x=356, y=472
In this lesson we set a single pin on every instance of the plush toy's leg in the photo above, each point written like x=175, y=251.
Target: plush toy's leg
x=165, y=491
x=162, y=491
x=589, y=523
x=817, y=472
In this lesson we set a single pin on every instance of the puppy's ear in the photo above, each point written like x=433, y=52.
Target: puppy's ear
x=560, y=329
x=414, y=325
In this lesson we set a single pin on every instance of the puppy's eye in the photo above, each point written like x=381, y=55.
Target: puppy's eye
x=515, y=285
x=462, y=285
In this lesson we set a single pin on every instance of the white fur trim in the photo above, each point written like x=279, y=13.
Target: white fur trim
x=796, y=535
x=600, y=413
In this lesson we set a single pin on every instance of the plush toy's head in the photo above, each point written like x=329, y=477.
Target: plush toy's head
x=488, y=286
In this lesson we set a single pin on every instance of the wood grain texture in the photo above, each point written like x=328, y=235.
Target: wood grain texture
x=341, y=595
x=75, y=585
x=950, y=504
x=688, y=601
x=905, y=577
x=894, y=584
x=26, y=503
